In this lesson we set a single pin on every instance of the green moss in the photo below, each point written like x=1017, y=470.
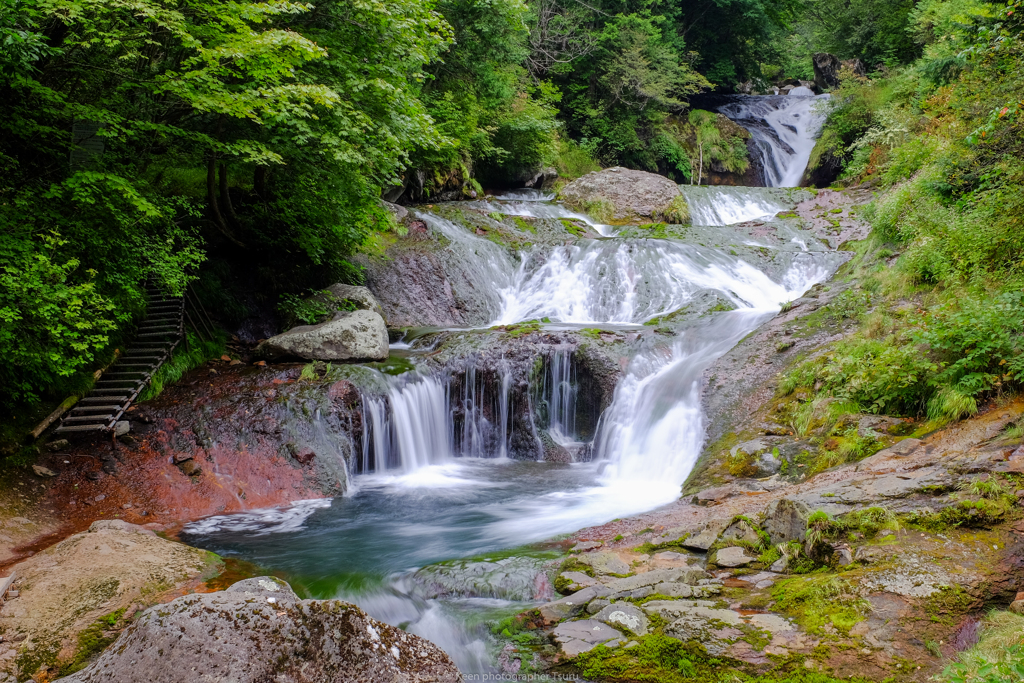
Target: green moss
x=655, y=659
x=817, y=600
x=573, y=228
x=523, y=224
x=92, y=641
x=948, y=604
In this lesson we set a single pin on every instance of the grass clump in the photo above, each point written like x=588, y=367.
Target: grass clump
x=186, y=357
x=997, y=656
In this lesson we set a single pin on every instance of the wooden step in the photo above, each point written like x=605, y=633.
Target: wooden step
x=105, y=417
x=81, y=428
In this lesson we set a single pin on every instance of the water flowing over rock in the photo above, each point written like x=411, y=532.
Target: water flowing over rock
x=355, y=336
x=626, y=194
x=264, y=632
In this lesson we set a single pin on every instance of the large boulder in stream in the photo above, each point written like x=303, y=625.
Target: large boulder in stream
x=348, y=336
x=827, y=68
x=259, y=630
x=622, y=194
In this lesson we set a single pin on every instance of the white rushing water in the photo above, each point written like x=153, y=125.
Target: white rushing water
x=784, y=128
x=723, y=205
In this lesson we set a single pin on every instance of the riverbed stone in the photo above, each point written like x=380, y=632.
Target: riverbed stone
x=786, y=520
x=707, y=534
x=577, y=637
x=733, y=556
x=571, y=582
x=626, y=616
x=605, y=562
x=264, y=632
x=360, y=296
x=742, y=531
x=628, y=193
x=569, y=606
x=348, y=336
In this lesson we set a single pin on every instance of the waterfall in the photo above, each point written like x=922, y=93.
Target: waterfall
x=730, y=205
x=560, y=393
x=784, y=129
x=627, y=281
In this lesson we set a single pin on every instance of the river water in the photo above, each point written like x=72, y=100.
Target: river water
x=427, y=493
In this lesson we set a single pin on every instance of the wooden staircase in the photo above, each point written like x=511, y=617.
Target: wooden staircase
x=158, y=335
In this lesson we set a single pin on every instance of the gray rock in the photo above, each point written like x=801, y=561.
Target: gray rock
x=597, y=605
x=631, y=583
x=399, y=212
x=605, y=563
x=624, y=615
x=576, y=637
x=733, y=557
x=584, y=546
x=707, y=534
x=510, y=578
x=780, y=565
x=674, y=590
x=740, y=531
x=355, y=336
x=264, y=632
x=57, y=444
x=122, y=427
x=630, y=194
x=576, y=581
x=786, y=520
x=844, y=557
x=361, y=296
x=557, y=610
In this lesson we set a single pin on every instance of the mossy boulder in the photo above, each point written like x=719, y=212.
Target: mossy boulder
x=259, y=630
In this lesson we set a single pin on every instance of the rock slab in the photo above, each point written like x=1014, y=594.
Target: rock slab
x=259, y=630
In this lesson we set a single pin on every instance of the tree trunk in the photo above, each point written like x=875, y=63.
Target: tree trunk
x=211, y=199
x=259, y=182
x=225, y=197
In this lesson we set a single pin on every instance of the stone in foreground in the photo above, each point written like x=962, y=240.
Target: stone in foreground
x=355, y=336
x=258, y=630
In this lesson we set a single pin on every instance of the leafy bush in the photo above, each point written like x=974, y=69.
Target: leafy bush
x=55, y=322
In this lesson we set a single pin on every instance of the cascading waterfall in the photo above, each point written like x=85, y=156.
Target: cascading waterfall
x=627, y=281
x=730, y=205
x=442, y=440
x=784, y=129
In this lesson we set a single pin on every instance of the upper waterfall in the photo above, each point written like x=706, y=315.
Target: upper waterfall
x=784, y=129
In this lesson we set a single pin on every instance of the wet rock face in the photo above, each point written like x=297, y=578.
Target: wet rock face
x=629, y=194
x=351, y=336
x=258, y=630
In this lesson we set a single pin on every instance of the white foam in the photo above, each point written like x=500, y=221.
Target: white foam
x=260, y=521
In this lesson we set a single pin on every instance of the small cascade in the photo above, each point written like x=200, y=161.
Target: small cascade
x=628, y=282
x=536, y=204
x=409, y=430
x=784, y=129
x=731, y=205
x=561, y=387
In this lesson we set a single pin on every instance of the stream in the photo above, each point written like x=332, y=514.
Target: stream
x=428, y=489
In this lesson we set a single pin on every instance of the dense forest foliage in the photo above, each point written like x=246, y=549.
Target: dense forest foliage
x=245, y=145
